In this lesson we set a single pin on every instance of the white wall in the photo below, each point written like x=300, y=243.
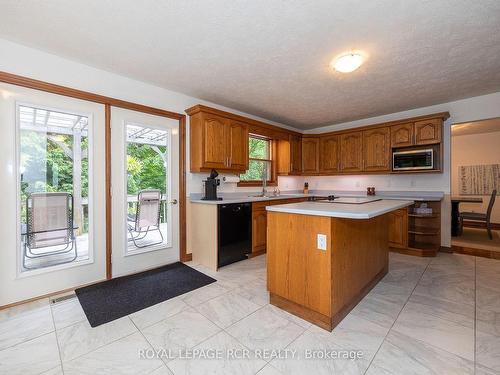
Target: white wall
x=29, y=62
x=475, y=149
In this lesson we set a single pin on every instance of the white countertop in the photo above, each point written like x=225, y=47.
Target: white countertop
x=249, y=198
x=342, y=210
x=229, y=198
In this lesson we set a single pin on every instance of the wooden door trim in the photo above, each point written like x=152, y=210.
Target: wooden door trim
x=109, y=223
x=109, y=102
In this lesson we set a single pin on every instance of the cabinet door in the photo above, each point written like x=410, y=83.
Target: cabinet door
x=402, y=135
x=329, y=154
x=351, y=152
x=259, y=230
x=238, y=146
x=376, y=149
x=310, y=155
x=398, y=229
x=428, y=132
x=295, y=155
x=215, y=153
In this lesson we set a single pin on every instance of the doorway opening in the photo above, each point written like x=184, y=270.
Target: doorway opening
x=475, y=185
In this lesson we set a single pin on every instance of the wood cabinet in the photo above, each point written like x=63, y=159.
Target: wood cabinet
x=214, y=129
x=377, y=150
x=295, y=154
x=329, y=151
x=259, y=230
x=238, y=145
x=428, y=131
x=310, y=155
x=402, y=135
x=351, y=152
x=217, y=142
x=425, y=132
x=398, y=228
x=259, y=223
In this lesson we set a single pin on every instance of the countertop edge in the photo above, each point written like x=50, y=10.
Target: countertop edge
x=292, y=209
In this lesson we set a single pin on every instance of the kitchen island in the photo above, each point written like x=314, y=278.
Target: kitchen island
x=324, y=257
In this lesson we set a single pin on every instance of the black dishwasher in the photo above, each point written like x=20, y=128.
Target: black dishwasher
x=234, y=232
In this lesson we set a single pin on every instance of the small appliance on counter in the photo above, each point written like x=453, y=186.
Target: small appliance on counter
x=306, y=187
x=211, y=184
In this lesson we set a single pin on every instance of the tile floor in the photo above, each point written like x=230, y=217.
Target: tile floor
x=439, y=316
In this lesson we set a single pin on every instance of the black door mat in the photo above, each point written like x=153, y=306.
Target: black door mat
x=112, y=299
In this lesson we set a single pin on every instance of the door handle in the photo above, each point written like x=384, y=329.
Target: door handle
x=173, y=201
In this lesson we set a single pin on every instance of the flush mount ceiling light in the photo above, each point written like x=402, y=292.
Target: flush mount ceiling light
x=347, y=63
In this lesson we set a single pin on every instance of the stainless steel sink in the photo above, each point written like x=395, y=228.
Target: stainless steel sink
x=260, y=196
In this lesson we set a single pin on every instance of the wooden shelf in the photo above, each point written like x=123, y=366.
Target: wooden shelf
x=425, y=216
x=423, y=231
x=423, y=246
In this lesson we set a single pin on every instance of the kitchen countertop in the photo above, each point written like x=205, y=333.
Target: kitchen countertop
x=389, y=195
x=342, y=210
x=246, y=198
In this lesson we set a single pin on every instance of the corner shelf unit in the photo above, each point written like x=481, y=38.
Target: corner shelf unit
x=424, y=230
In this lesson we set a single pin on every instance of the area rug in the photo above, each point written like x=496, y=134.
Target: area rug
x=116, y=298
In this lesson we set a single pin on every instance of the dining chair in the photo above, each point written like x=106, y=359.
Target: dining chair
x=479, y=216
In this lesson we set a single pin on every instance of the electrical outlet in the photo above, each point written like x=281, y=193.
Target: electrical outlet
x=321, y=241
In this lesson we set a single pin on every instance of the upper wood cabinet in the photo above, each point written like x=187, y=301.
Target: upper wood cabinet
x=351, y=152
x=310, y=155
x=402, y=135
x=425, y=132
x=428, y=131
x=295, y=154
x=377, y=149
x=238, y=145
x=214, y=129
x=329, y=151
x=217, y=142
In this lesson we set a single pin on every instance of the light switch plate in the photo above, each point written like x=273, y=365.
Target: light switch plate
x=321, y=241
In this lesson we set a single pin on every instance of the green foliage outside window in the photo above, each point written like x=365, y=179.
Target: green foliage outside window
x=259, y=154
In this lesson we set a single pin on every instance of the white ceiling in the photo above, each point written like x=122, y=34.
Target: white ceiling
x=270, y=57
x=476, y=127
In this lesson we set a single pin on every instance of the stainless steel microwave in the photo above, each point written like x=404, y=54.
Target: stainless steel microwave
x=412, y=160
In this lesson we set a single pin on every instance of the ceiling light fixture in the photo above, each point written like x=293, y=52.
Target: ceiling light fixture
x=347, y=63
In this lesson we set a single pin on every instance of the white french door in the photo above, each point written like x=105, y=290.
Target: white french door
x=52, y=193
x=145, y=181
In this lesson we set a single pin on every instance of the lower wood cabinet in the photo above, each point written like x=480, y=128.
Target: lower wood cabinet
x=259, y=222
x=398, y=228
x=259, y=230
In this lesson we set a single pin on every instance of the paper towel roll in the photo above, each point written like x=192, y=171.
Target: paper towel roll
x=231, y=179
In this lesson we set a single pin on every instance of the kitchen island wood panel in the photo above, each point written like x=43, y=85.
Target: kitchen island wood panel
x=322, y=286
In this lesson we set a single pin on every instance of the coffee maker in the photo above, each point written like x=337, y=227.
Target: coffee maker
x=211, y=184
